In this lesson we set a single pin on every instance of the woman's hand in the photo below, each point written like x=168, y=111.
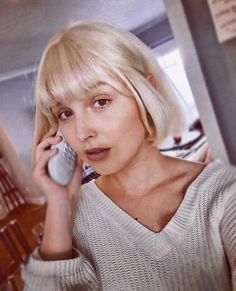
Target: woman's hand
x=61, y=201
x=52, y=190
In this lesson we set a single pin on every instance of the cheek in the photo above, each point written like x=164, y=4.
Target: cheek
x=133, y=136
x=132, y=122
x=130, y=132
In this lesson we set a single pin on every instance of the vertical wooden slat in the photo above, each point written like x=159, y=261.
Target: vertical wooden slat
x=11, y=195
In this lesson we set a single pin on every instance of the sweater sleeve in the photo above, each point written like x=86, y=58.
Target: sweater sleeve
x=228, y=233
x=73, y=274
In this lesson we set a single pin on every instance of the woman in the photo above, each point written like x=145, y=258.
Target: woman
x=149, y=222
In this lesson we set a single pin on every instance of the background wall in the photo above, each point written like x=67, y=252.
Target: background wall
x=218, y=63
x=210, y=68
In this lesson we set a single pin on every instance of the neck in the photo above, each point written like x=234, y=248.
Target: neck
x=138, y=178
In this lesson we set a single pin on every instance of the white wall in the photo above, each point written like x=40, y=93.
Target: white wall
x=198, y=79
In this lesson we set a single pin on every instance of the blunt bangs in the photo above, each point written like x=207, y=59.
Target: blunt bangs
x=69, y=74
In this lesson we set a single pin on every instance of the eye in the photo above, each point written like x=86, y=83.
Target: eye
x=101, y=103
x=63, y=115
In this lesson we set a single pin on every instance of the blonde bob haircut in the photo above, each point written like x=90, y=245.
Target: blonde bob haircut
x=86, y=54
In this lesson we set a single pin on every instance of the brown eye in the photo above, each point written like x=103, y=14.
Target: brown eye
x=64, y=115
x=100, y=103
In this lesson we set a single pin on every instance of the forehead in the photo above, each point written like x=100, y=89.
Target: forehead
x=68, y=76
x=99, y=89
x=102, y=87
x=79, y=83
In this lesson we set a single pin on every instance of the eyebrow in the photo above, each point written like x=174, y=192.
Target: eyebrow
x=94, y=91
x=102, y=87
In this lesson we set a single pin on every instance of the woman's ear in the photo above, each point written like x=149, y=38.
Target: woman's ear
x=151, y=80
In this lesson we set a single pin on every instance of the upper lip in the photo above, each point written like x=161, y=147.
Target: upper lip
x=95, y=150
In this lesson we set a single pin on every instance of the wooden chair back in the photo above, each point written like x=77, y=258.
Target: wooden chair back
x=17, y=248
x=11, y=195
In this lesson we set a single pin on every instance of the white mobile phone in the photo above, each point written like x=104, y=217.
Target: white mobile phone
x=61, y=166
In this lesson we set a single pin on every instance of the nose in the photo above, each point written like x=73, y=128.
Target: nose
x=84, y=127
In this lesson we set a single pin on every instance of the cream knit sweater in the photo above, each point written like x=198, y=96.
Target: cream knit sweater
x=195, y=251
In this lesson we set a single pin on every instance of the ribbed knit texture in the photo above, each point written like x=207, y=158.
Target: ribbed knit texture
x=195, y=251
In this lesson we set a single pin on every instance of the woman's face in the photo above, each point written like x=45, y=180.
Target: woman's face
x=105, y=129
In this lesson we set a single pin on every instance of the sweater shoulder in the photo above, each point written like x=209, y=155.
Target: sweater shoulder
x=218, y=177
x=216, y=185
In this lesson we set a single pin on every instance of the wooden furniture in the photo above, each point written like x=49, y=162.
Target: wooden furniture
x=7, y=283
x=19, y=218
x=16, y=237
x=14, y=242
x=17, y=240
x=12, y=197
x=14, y=201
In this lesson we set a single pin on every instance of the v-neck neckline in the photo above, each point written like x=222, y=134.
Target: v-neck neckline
x=155, y=243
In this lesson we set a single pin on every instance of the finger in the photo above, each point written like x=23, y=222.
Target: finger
x=41, y=165
x=45, y=145
x=49, y=141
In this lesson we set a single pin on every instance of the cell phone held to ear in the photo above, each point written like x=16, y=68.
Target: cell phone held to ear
x=61, y=166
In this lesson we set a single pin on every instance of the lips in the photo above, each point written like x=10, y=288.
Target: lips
x=97, y=154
